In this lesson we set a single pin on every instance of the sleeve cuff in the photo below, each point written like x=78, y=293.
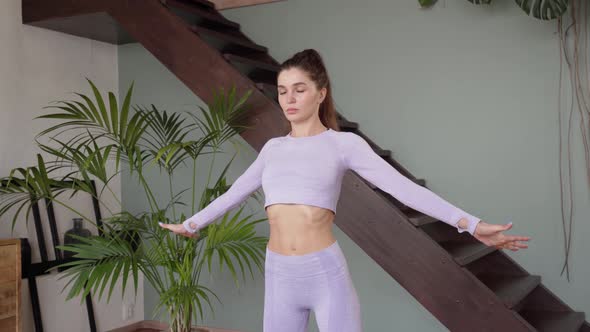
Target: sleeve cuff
x=188, y=227
x=472, y=222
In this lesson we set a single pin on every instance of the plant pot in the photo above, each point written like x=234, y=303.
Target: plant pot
x=152, y=325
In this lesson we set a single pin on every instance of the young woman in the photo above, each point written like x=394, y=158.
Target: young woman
x=301, y=175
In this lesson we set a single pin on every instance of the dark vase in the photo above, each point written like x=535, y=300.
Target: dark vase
x=78, y=230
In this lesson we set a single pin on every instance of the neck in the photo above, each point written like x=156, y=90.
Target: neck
x=300, y=131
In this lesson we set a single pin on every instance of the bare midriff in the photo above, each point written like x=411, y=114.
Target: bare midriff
x=298, y=229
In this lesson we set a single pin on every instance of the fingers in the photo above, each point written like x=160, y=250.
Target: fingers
x=516, y=238
x=167, y=226
x=512, y=245
x=179, y=229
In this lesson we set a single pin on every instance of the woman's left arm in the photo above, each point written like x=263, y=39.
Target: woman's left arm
x=360, y=157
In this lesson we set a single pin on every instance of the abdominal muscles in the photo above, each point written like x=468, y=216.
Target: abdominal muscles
x=298, y=229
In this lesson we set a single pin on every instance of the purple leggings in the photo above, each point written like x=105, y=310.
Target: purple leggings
x=318, y=281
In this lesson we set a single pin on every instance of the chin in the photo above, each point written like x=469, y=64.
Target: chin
x=293, y=116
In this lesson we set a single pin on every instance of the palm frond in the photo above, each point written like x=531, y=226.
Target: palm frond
x=235, y=238
x=224, y=117
x=98, y=260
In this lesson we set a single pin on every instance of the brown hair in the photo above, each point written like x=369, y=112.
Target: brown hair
x=310, y=61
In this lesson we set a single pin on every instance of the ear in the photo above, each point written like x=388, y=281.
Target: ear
x=323, y=93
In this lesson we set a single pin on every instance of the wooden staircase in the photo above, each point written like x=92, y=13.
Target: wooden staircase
x=465, y=284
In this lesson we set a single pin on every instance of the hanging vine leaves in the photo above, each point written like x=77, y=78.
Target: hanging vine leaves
x=480, y=2
x=426, y=3
x=543, y=10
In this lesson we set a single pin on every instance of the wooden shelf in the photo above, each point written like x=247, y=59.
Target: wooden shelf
x=10, y=285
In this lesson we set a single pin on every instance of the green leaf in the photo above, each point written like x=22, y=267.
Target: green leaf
x=426, y=3
x=544, y=10
x=101, y=106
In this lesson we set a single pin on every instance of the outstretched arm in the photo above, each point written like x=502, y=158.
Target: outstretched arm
x=242, y=187
x=361, y=158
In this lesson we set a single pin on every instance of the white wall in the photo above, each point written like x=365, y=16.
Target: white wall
x=38, y=66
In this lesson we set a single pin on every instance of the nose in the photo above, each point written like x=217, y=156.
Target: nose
x=290, y=98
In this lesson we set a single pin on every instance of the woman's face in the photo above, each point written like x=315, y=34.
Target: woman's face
x=299, y=97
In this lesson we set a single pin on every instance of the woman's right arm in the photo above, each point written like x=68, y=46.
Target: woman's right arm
x=242, y=187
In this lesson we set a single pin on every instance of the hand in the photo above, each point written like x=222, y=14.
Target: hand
x=179, y=229
x=491, y=235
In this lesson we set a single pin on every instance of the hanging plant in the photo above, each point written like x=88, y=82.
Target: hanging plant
x=542, y=10
x=573, y=111
x=426, y=3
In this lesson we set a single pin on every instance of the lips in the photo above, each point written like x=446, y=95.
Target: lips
x=291, y=110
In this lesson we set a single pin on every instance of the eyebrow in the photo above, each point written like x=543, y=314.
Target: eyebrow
x=298, y=83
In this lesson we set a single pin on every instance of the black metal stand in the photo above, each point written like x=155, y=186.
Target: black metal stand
x=32, y=270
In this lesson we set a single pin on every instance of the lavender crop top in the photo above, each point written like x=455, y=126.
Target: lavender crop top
x=309, y=170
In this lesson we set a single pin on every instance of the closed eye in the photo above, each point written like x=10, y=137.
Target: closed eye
x=299, y=91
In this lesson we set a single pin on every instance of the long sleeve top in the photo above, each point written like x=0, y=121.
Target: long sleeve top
x=309, y=170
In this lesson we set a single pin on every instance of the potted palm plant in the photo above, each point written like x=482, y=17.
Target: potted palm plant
x=103, y=139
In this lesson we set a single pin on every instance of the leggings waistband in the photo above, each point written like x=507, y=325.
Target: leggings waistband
x=325, y=260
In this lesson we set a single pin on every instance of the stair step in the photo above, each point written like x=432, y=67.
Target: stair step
x=466, y=252
x=511, y=289
x=228, y=38
x=419, y=219
x=404, y=208
x=554, y=321
x=204, y=3
x=212, y=17
x=523, y=321
x=268, y=89
x=382, y=153
x=347, y=125
x=236, y=59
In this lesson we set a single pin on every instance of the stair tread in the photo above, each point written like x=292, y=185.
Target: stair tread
x=267, y=86
x=202, y=13
x=259, y=64
x=268, y=89
x=348, y=124
x=466, y=252
x=204, y=3
x=228, y=38
x=382, y=152
x=554, y=321
x=418, y=218
x=511, y=289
